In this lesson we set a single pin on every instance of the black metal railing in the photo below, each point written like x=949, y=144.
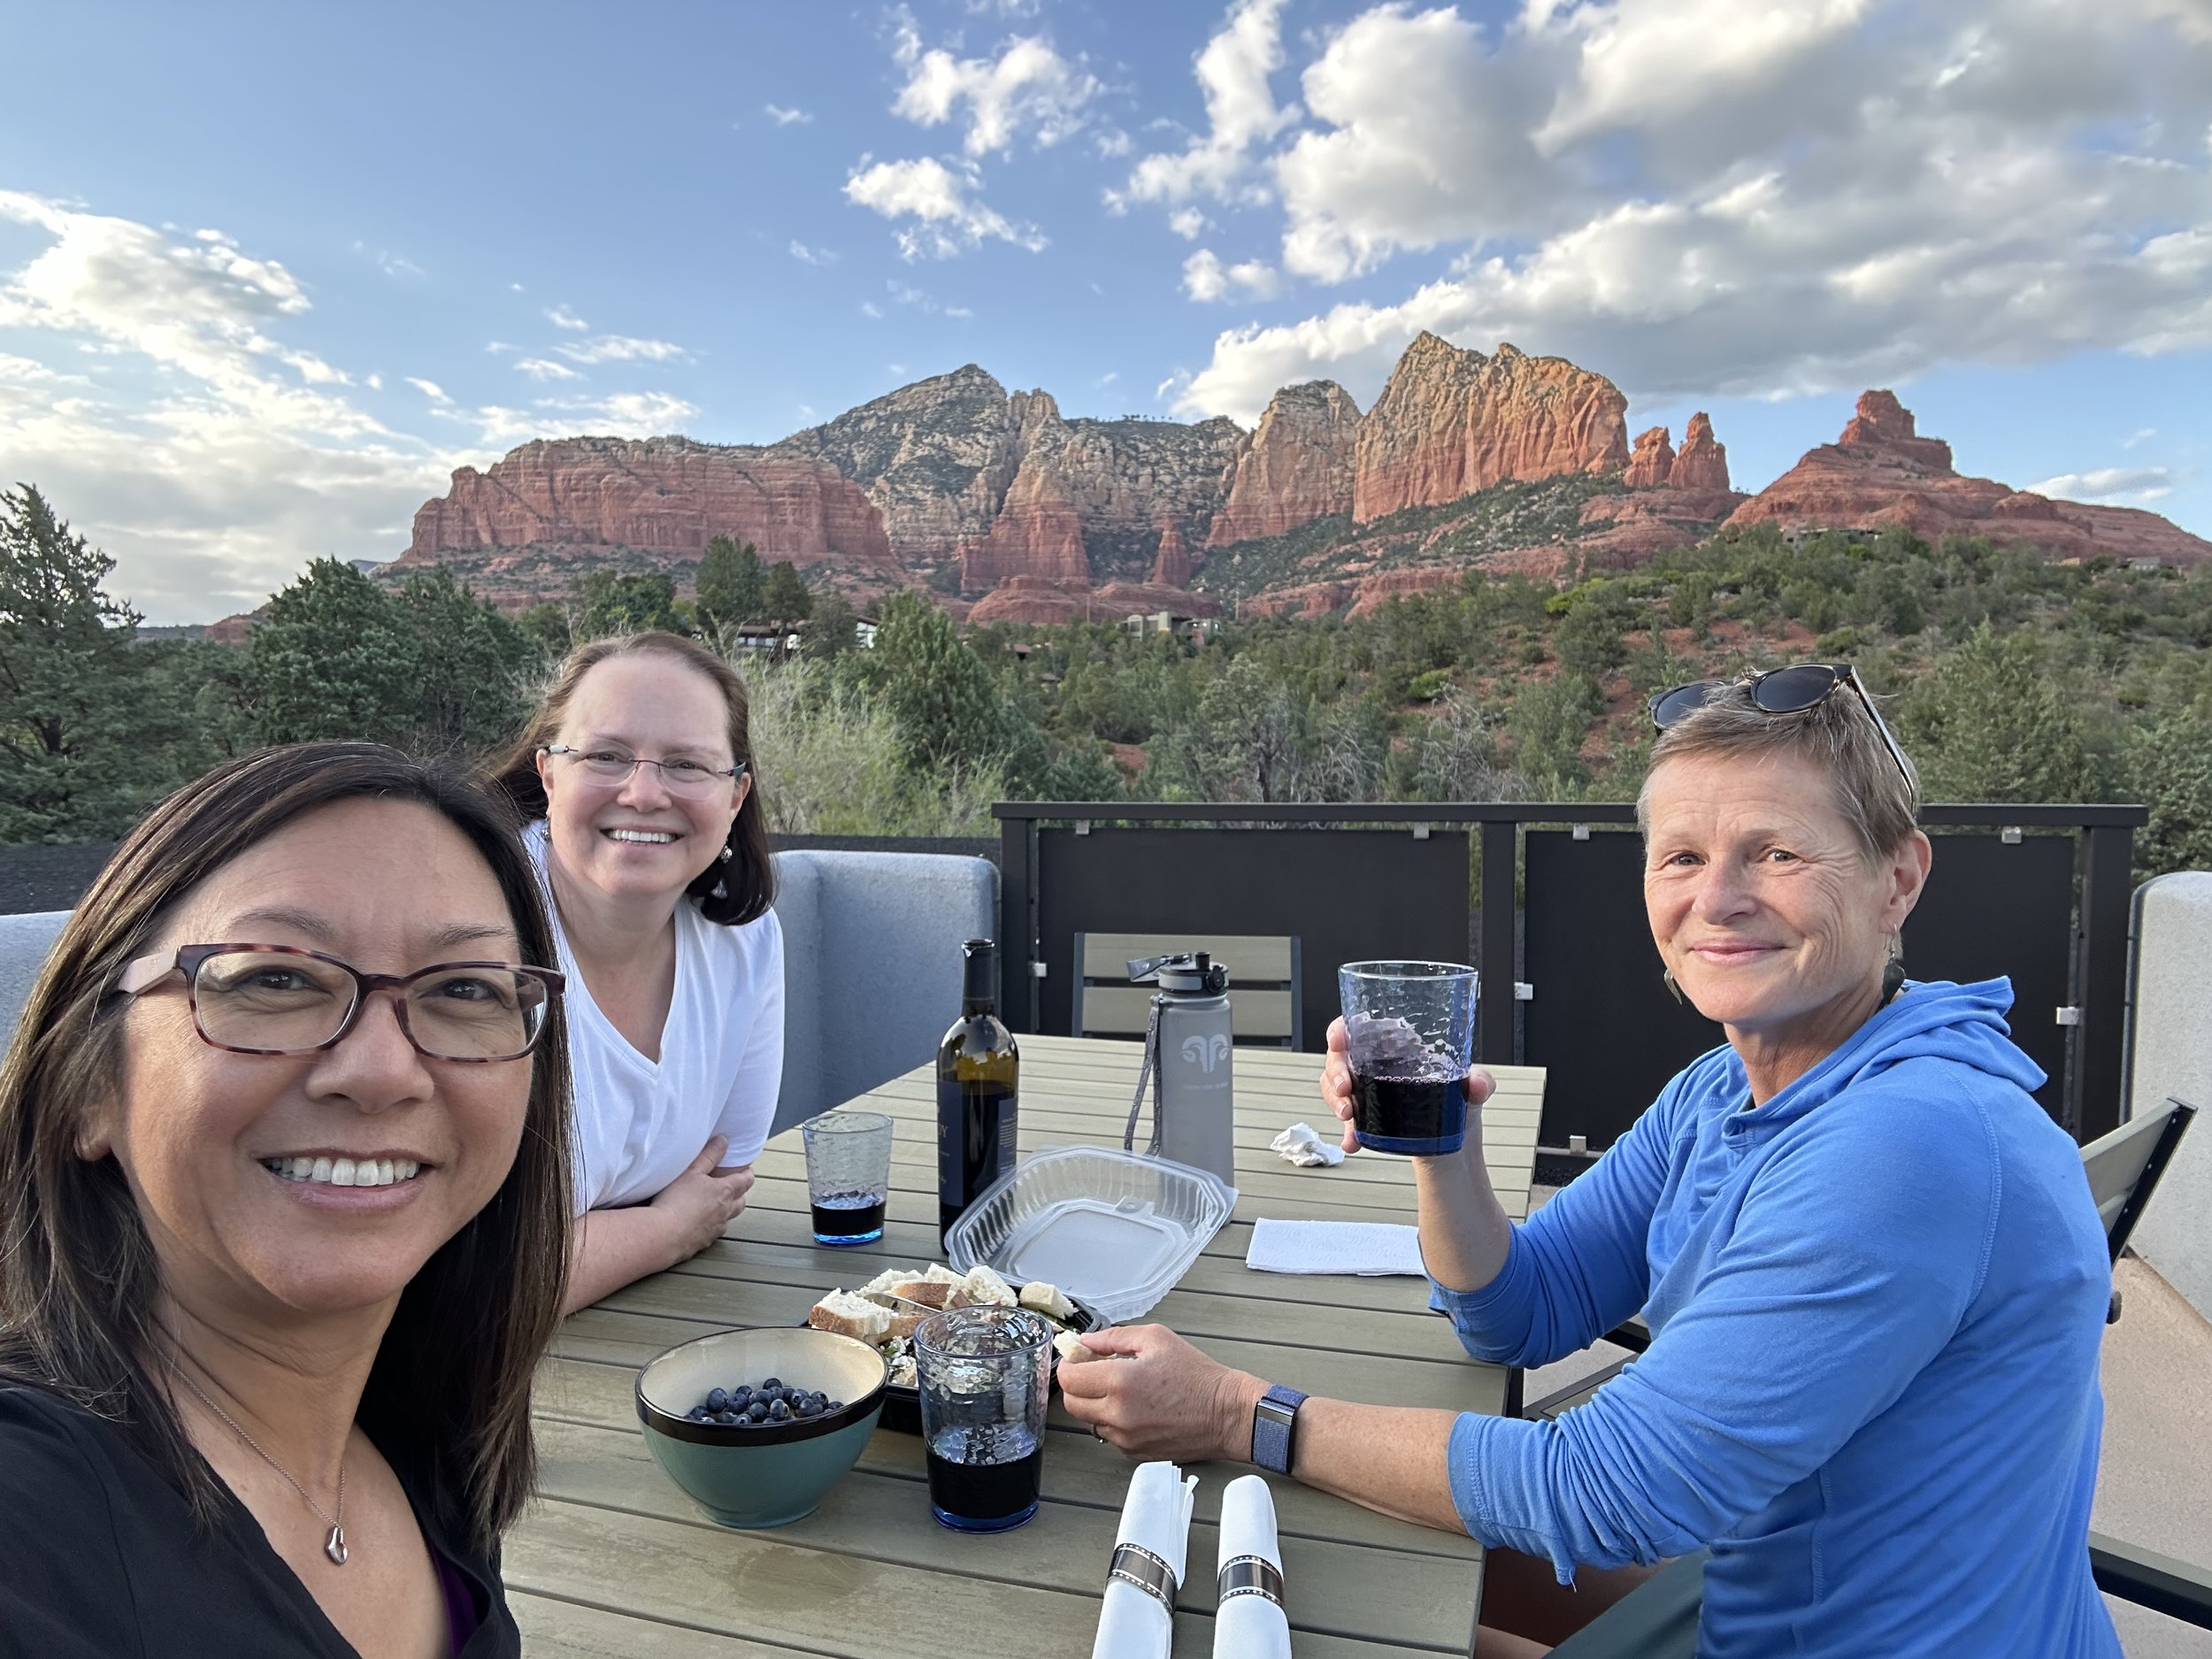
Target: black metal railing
x=1546, y=898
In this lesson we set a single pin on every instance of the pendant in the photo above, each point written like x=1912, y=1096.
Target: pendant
x=334, y=1546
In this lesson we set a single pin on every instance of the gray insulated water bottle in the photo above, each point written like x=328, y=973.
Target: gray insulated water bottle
x=1187, y=1058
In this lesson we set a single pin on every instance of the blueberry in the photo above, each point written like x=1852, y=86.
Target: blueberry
x=757, y=1412
x=821, y=1400
x=741, y=1393
x=727, y=1419
x=718, y=1400
x=780, y=1412
x=772, y=1384
x=834, y=1405
x=807, y=1409
x=698, y=1414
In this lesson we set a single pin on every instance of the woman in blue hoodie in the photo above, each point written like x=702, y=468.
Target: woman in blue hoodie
x=1875, y=1278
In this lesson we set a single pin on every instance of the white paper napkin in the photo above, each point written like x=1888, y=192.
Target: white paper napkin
x=1156, y=1516
x=1302, y=1145
x=1334, y=1247
x=1250, y=1626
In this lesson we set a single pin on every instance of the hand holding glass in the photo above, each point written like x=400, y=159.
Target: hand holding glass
x=1410, y=1035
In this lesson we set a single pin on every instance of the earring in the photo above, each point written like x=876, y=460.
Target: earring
x=727, y=854
x=1673, y=990
x=1893, y=970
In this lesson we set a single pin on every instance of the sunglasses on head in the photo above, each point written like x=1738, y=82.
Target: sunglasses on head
x=1792, y=690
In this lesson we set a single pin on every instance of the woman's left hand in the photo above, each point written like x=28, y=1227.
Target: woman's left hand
x=1152, y=1395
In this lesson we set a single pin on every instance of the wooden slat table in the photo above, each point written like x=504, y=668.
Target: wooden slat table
x=614, y=1560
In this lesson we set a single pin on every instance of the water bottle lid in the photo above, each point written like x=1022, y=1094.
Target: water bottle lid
x=1191, y=973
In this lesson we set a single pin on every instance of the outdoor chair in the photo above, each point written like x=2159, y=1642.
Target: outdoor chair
x=1659, y=1620
x=1264, y=984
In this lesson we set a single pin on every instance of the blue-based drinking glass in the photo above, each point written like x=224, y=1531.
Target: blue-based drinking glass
x=1409, y=1033
x=985, y=1374
x=848, y=1175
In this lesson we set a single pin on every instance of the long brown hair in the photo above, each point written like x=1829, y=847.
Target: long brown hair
x=739, y=890
x=449, y=1391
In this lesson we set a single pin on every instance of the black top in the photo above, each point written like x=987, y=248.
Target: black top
x=100, y=1557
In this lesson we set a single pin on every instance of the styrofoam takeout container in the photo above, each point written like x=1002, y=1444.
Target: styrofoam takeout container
x=1115, y=1230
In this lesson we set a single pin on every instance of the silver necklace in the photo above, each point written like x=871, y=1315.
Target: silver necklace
x=334, y=1542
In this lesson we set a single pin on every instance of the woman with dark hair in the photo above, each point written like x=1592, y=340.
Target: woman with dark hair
x=1874, y=1275
x=636, y=772
x=283, y=1225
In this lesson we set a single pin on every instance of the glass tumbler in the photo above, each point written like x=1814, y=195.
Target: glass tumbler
x=1409, y=1028
x=848, y=1175
x=985, y=1376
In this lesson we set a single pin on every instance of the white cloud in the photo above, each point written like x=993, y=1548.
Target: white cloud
x=622, y=349
x=1806, y=201
x=1233, y=71
x=2141, y=434
x=625, y=415
x=430, y=390
x=1187, y=222
x=1205, y=279
x=215, y=485
x=805, y=255
x=871, y=310
x=1027, y=88
x=906, y=295
x=950, y=220
x=783, y=117
x=2108, y=483
x=545, y=369
x=1113, y=143
x=561, y=316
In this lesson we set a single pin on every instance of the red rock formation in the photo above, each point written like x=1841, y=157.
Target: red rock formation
x=1173, y=565
x=1451, y=422
x=1027, y=598
x=1038, y=533
x=1702, y=462
x=1881, y=473
x=1653, y=461
x=1297, y=467
x=666, y=495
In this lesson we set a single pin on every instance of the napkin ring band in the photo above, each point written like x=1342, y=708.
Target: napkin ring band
x=1135, y=1564
x=1251, y=1575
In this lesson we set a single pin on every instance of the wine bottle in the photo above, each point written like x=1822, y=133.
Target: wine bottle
x=977, y=1074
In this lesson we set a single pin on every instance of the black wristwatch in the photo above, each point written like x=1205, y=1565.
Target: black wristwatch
x=1274, y=1426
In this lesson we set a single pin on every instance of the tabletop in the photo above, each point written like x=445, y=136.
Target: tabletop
x=614, y=1560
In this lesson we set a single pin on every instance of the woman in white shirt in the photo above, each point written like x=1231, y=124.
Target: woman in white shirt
x=636, y=772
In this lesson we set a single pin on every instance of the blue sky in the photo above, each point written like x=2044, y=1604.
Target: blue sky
x=268, y=273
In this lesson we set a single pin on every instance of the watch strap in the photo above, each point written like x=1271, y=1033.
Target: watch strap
x=1274, y=1421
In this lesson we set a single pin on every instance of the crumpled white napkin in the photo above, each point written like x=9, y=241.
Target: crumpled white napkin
x=1304, y=1146
x=1156, y=1516
x=1369, y=1248
x=1250, y=1626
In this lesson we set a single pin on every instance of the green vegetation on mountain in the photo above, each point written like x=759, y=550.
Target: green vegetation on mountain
x=2010, y=679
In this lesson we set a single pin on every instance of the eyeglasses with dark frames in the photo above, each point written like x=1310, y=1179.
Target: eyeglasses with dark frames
x=281, y=999
x=681, y=775
x=1793, y=690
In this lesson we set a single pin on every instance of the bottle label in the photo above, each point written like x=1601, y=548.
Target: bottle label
x=1007, y=1131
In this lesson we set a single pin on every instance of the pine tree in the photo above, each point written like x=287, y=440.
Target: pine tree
x=733, y=586
x=336, y=659
x=80, y=746
x=786, y=601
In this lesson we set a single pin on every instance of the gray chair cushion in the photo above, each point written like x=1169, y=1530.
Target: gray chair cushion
x=24, y=942
x=872, y=965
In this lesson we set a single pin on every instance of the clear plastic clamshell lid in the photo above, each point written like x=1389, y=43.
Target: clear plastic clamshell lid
x=1115, y=1230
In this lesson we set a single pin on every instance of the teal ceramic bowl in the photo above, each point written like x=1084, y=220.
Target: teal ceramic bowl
x=777, y=1472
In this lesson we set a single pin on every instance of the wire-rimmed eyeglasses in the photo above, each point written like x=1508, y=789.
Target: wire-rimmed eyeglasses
x=681, y=775
x=281, y=999
x=1792, y=690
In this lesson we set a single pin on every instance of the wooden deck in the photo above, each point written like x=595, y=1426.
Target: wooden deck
x=614, y=1560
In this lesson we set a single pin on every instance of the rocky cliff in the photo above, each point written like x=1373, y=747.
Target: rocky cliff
x=956, y=484
x=1296, y=467
x=1451, y=422
x=1881, y=473
x=663, y=495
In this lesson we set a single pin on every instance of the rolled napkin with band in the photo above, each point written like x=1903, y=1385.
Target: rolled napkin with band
x=1138, y=1618
x=1250, y=1621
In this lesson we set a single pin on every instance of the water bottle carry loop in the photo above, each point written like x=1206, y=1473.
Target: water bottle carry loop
x=1148, y=1073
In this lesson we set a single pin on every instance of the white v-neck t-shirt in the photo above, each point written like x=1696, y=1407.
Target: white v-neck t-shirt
x=639, y=1122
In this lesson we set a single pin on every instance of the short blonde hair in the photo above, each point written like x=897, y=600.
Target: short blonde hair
x=1836, y=735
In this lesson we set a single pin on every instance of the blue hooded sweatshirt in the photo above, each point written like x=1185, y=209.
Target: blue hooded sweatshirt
x=1876, y=1303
